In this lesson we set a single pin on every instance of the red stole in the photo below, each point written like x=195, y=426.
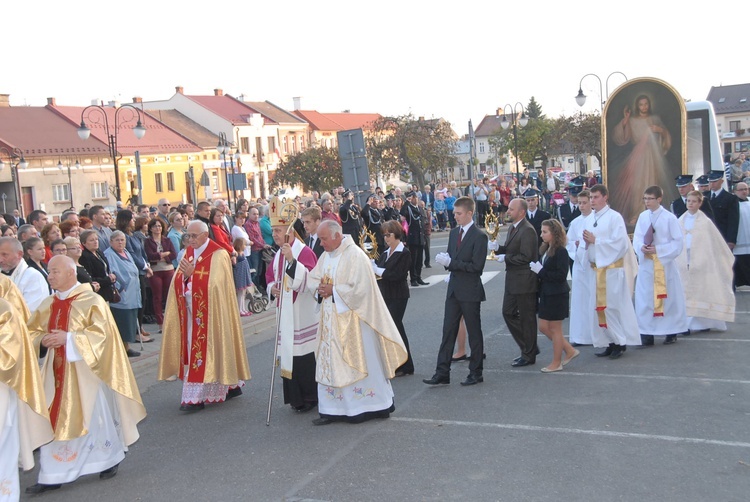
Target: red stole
x=58, y=319
x=194, y=356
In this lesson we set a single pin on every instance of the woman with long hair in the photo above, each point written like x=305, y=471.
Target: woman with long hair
x=50, y=232
x=554, y=292
x=34, y=253
x=220, y=231
x=177, y=224
x=160, y=253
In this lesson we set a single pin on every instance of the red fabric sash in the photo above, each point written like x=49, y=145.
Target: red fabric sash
x=58, y=319
x=195, y=355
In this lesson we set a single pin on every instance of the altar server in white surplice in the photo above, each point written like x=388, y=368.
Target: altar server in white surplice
x=659, y=295
x=582, y=307
x=610, y=253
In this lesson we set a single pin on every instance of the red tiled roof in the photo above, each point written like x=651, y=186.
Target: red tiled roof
x=336, y=121
x=227, y=107
x=38, y=132
x=158, y=138
x=489, y=125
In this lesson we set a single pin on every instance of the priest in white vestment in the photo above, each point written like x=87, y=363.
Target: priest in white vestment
x=705, y=266
x=359, y=347
x=610, y=253
x=659, y=295
x=94, y=402
x=582, y=307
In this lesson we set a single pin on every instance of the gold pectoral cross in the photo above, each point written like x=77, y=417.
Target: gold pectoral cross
x=200, y=273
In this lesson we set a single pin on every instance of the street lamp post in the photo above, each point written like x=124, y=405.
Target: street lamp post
x=84, y=132
x=581, y=97
x=62, y=166
x=15, y=153
x=522, y=121
x=225, y=147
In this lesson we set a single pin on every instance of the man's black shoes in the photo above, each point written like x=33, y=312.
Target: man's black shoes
x=438, y=380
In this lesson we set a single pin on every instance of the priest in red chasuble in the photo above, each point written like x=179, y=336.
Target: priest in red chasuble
x=93, y=399
x=203, y=341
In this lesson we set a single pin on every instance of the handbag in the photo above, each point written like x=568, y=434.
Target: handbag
x=116, y=298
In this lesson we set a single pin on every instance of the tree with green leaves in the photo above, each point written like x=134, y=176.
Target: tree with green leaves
x=316, y=168
x=421, y=146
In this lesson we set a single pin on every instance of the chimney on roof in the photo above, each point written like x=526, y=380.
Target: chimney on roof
x=4, y=100
x=137, y=100
x=297, y=103
x=179, y=90
x=499, y=112
x=218, y=92
x=421, y=119
x=51, y=102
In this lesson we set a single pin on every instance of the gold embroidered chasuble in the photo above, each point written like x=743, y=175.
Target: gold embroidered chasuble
x=104, y=359
x=343, y=362
x=217, y=352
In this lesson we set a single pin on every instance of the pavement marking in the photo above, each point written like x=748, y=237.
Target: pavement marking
x=636, y=377
x=698, y=339
x=588, y=432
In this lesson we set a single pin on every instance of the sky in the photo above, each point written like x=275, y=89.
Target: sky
x=455, y=60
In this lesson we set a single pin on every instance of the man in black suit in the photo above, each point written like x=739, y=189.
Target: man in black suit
x=465, y=259
x=389, y=212
x=351, y=219
x=519, y=302
x=311, y=220
x=684, y=184
x=373, y=219
x=569, y=211
x=415, y=238
x=726, y=208
x=535, y=215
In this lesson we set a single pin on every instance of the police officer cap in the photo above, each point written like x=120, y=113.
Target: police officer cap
x=715, y=175
x=702, y=180
x=410, y=194
x=531, y=193
x=575, y=190
x=578, y=181
x=347, y=193
x=683, y=180
x=390, y=196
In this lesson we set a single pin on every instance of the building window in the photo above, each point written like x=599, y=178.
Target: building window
x=60, y=193
x=271, y=144
x=170, y=182
x=294, y=145
x=158, y=183
x=481, y=147
x=215, y=181
x=301, y=143
x=99, y=190
x=244, y=145
x=286, y=145
x=741, y=145
x=734, y=125
x=463, y=172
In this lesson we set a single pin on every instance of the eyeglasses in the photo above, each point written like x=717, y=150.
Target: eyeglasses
x=167, y=205
x=59, y=251
x=194, y=236
x=73, y=249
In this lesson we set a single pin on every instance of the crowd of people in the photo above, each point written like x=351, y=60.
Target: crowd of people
x=75, y=293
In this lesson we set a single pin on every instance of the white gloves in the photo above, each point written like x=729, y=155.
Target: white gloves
x=535, y=266
x=493, y=245
x=377, y=270
x=500, y=258
x=443, y=259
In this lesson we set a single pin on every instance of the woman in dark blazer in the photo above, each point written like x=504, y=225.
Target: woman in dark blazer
x=392, y=269
x=554, y=292
x=96, y=264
